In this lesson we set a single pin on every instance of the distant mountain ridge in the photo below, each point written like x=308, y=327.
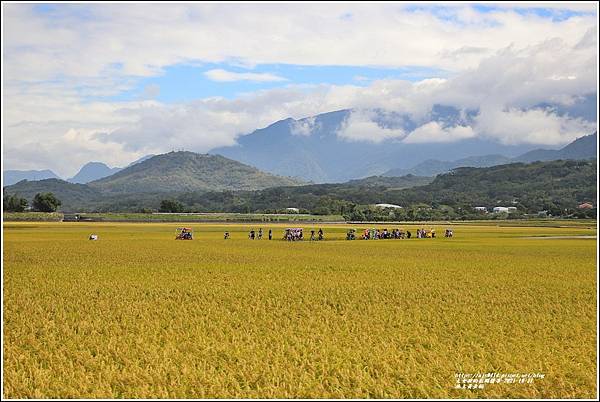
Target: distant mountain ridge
x=89, y=172
x=580, y=149
x=93, y=171
x=15, y=176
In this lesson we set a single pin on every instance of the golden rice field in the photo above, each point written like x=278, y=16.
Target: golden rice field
x=140, y=315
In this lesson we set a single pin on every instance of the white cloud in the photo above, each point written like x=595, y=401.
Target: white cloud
x=435, y=132
x=360, y=126
x=514, y=126
x=221, y=75
x=304, y=127
x=141, y=39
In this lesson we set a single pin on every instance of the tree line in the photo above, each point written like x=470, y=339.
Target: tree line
x=42, y=202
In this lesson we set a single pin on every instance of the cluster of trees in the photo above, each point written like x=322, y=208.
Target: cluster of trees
x=14, y=203
x=42, y=202
x=171, y=206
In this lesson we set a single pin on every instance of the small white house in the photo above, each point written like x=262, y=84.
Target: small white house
x=507, y=210
x=292, y=210
x=388, y=206
x=481, y=209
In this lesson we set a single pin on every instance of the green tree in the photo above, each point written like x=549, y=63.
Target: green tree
x=171, y=206
x=13, y=203
x=45, y=202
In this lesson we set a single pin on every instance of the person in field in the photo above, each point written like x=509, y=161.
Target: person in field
x=408, y=234
x=270, y=234
x=260, y=234
x=320, y=234
x=226, y=235
x=312, y=235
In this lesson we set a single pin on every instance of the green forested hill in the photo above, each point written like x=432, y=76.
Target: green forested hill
x=540, y=185
x=188, y=171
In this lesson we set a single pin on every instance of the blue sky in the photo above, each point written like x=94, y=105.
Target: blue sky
x=186, y=82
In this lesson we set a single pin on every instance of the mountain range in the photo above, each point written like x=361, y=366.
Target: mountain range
x=316, y=148
x=14, y=176
x=89, y=172
x=168, y=173
x=580, y=149
x=313, y=149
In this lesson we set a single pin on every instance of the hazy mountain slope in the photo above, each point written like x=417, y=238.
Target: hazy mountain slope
x=582, y=148
x=143, y=158
x=93, y=171
x=15, y=176
x=188, y=171
x=433, y=167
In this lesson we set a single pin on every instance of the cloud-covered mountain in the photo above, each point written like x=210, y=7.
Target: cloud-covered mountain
x=330, y=147
x=15, y=176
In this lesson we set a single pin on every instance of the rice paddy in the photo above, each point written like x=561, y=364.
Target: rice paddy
x=137, y=314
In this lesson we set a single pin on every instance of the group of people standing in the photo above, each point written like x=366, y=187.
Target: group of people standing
x=425, y=234
x=259, y=234
x=376, y=234
x=296, y=234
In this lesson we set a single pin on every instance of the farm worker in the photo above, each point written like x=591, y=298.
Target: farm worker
x=433, y=233
x=408, y=234
x=260, y=233
x=320, y=234
x=270, y=234
x=312, y=234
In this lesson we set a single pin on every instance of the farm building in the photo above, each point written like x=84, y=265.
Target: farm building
x=585, y=205
x=480, y=209
x=508, y=210
x=292, y=210
x=387, y=206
